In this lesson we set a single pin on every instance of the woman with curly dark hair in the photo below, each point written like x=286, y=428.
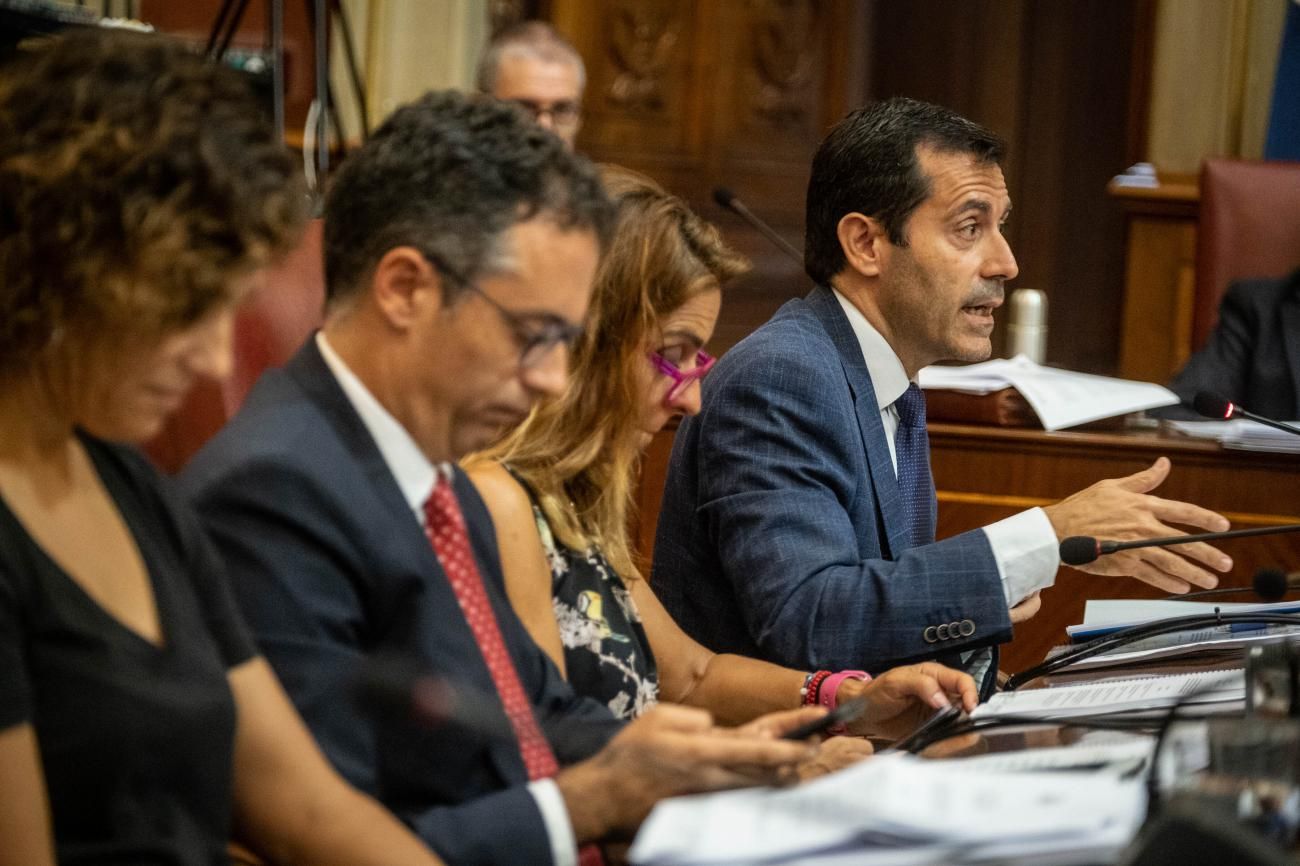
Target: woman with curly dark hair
x=141, y=190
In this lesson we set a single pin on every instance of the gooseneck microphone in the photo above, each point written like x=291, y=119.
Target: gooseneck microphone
x=727, y=199
x=1214, y=406
x=1083, y=549
x=402, y=689
x=1268, y=584
x=1272, y=583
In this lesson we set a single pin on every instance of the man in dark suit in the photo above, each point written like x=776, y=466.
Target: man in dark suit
x=1253, y=354
x=797, y=522
x=461, y=244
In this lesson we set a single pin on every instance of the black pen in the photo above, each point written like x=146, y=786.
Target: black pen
x=843, y=713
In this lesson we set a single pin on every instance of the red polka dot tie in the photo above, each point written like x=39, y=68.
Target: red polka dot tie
x=445, y=526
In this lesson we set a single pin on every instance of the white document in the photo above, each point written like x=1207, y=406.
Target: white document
x=895, y=809
x=1117, y=613
x=1124, y=756
x=1060, y=398
x=1120, y=695
x=1242, y=433
x=982, y=378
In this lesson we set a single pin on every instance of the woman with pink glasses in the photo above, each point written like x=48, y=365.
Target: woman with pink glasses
x=560, y=489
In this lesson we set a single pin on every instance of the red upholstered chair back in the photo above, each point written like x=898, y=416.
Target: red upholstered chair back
x=269, y=328
x=1249, y=227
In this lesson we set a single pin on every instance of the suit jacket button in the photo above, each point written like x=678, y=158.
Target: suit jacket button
x=966, y=627
x=942, y=631
x=929, y=634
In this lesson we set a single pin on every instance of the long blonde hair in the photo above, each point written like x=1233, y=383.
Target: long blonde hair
x=580, y=452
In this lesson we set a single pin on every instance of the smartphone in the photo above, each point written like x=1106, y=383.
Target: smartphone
x=920, y=738
x=842, y=714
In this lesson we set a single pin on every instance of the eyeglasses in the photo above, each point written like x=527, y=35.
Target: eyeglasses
x=537, y=334
x=682, y=379
x=563, y=114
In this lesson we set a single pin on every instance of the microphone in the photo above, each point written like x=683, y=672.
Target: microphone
x=727, y=199
x=1214, y=406
x=1269, y=584
x=1083, y=549
x=401, y=689
x=398, y=688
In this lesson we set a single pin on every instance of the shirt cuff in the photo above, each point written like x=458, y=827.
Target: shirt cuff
x=1027, y=553
x=555, y=816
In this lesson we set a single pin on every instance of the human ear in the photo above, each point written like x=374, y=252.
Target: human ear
x=402, y=283
x=863, y=240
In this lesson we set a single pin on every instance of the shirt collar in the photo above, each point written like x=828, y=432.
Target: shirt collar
x=415, y=475
x=888, y=377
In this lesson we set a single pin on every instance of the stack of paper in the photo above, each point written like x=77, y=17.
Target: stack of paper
x=899, y=810
x=1127, y=754
x=1208, y=691
x=1060, y=398
x=1242, y=434
x=1103, y=616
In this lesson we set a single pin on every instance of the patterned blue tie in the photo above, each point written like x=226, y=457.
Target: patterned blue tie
x=912, y=449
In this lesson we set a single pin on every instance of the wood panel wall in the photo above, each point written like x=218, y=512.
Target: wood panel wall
x=739, y=93
x=733, y=93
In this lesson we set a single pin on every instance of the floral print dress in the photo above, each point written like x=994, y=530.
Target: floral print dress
x=606, y=653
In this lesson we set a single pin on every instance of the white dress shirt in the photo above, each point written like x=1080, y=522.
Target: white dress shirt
x=417, y=477
x=1024, y=545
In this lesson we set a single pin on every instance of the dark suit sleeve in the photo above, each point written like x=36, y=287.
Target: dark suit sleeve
x=299, y=580
x=780, y=466
x=577, y=727
x=1222, y=366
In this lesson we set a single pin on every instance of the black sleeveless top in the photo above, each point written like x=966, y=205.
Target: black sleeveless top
x=136, y=740
x=606, y=653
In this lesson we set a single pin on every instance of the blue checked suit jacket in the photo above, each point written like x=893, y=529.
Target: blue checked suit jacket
x=330, y=567
x=781, y=533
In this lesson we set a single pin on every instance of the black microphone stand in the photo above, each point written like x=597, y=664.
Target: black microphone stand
x=1140, y=632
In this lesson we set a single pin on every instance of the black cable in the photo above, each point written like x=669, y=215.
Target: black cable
x=218, y=26
x=354, y=73
x=340, y=138
x=1129, y=721
x=1141, y=632
x=231, y=30
x=318, y=23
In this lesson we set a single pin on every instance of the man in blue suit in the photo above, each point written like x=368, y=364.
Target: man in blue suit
x=797, y=523
x=461, y=244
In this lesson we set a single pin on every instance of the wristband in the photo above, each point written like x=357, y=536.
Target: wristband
x=830, y=689
x=810, y=694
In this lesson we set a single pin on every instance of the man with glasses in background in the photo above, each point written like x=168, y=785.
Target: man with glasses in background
x=535, y=68
x=461, y=245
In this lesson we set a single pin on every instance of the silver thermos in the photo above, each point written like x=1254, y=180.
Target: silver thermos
x=1027, y=328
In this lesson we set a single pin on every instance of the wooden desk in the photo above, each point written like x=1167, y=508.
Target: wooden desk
x=983, y=474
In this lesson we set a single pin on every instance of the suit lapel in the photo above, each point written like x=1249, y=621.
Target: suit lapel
x=881, y=468
x=462, y=659
x=309, y=370
x=1290, y=314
